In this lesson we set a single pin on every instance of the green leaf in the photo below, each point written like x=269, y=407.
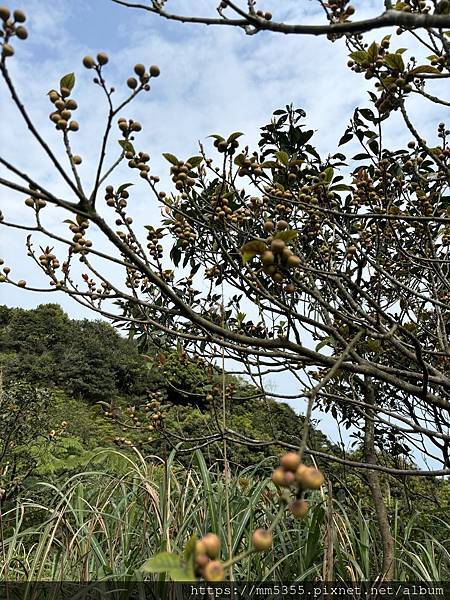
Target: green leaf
x=395, y=62
x=424, y=69
x=341, y=187
x=171, y=158
x=325, y=342
x=127, y=146
x=195, y=161
x=124, y=186
x=329, y=172
x=68, y=81
x=234, y=136
x=287, y=236
x=239, y=160
x=180, y=574
x=162, y=563
x=373, y=52
x=216, y=136
x=189, y=550
x=283, y=157
x=252, y=249
x=345, y=138
x=359, y=56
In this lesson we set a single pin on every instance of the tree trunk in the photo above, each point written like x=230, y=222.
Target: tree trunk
x=373, y=478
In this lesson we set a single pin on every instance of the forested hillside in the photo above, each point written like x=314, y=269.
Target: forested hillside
x=78, y=384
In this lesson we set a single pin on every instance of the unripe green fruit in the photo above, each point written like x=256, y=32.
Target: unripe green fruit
x=19, y=16
x=290, y=461
x=21, y=32
x=278, y=277
x=132, y=83
x=212, y=545
x=293, y=261
x=139, y=69
x=299, y=508
x=88, y=62
x=154, y=71
x=262, y=540
x=214, y=571
x=2, y=278
x=102, y=58
x=277, y=246
x=4, y=13
x=7, y=50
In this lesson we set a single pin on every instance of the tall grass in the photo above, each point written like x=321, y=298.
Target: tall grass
x=98, y=526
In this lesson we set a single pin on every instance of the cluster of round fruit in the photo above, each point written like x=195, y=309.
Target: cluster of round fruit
x=154, y=247
x=79, y=241
x=6, y=271
x=182, y=175
x=340, y=10
x=226, y=146
x=207, y=550
x=292, y=473
x=128, y=127
x=36, y=203
x=12, y=27
x=277, y=258
x=250, y=167
x=102, y=59
x=64, y=106
x=139, y=161
x=48, y=260
x=144, y=76
x=183, y=231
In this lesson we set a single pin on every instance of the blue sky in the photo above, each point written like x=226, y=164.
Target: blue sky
x=213, y=80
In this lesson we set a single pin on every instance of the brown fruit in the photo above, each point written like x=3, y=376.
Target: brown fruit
x=201, y=560
x=77, y=160
x=73, y=126
x=139, y=69
x=299, y=508
x=4, y=13
x=88, y=62
x=277, y=246
x=278, y=277
x=132, y=83
x=290, y=461
x=21, y=32
x=262, y=540
x=282, y=225
x=212, y=545
x=22, y=283
x=214, y=571
x=309, y=478
x=19, y=16
x=71, y=104
x=267, y=258
x=269, y=226
x=293, y=261
x=102, y=58
x=278, y=477
x=200, y=547
x=154, y=71
x=290, y=288
x=7, y=50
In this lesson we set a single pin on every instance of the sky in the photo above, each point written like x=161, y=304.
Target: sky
x=213, y=80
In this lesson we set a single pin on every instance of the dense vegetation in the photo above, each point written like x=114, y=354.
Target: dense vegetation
x=60, y=455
